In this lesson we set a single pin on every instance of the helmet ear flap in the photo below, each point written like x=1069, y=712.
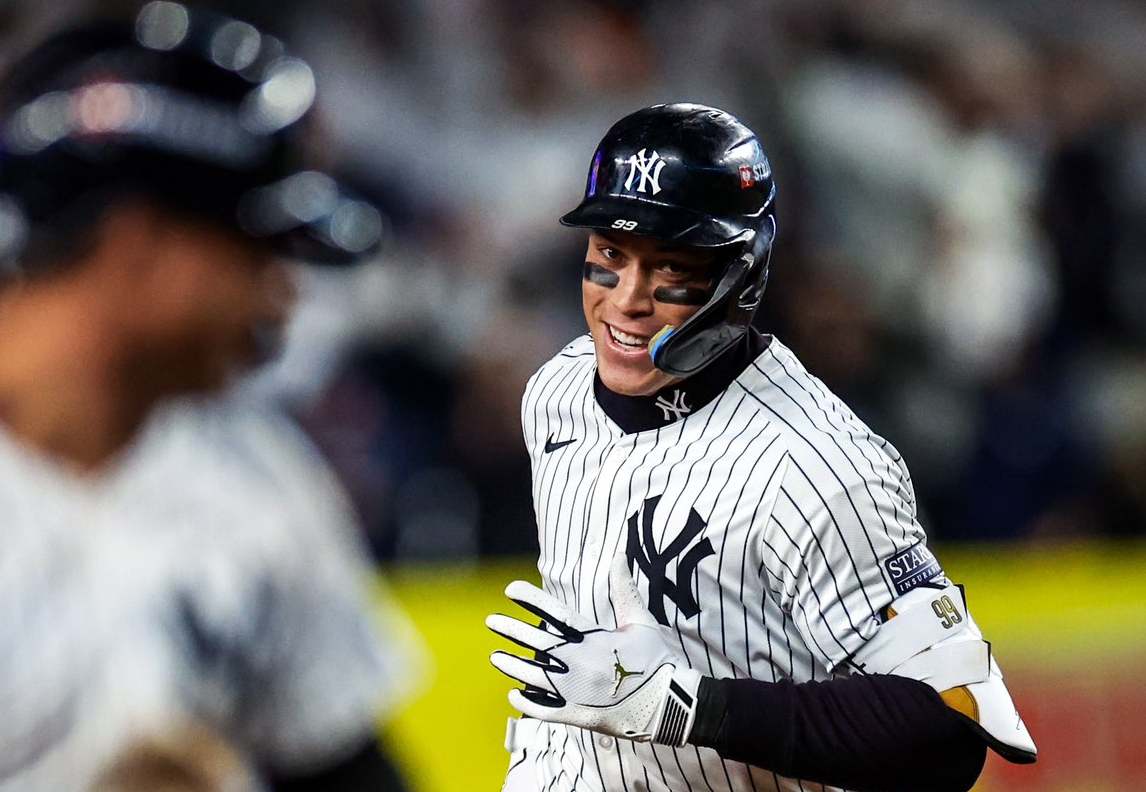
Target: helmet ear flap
x=759, y=256
x=750, y=296
x=725, y=318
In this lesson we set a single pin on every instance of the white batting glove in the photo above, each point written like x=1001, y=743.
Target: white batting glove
x=627, y=682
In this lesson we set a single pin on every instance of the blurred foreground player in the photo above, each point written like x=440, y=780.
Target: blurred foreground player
x=787, y=628
x=169, y=568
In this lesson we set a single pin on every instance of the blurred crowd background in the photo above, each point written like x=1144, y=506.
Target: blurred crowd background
x=962, y=258
x=962, y=250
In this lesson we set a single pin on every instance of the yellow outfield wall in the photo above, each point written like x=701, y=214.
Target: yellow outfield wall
x=1068, y=624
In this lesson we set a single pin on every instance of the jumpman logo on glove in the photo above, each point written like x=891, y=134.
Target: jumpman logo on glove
x=621, y=674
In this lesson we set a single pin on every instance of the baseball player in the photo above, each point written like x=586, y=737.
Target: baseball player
x=736, y=591
x=169, y=567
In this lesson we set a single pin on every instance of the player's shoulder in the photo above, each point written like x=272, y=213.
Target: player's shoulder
x=235, y=434
x=556, y=384
x=577, y=356
x=780, y=385
x=818, y=429
x=237, y=457
x=575, y=353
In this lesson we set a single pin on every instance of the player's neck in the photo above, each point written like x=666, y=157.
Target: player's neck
x=65, y=390
x=679, y=399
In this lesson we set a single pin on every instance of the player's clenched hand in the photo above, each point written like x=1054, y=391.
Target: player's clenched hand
x=627, y=682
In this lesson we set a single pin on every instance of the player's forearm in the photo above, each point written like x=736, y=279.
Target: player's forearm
x=864, y=733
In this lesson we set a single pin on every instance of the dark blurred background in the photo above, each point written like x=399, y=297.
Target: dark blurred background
x=961, y=256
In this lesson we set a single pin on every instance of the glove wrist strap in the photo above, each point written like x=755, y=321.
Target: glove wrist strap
x=678, y=712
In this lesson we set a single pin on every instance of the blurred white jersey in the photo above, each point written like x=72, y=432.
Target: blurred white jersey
x=212, y=576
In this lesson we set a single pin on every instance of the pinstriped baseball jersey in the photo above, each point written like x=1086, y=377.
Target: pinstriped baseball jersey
x=213, y=575
x=766, y=526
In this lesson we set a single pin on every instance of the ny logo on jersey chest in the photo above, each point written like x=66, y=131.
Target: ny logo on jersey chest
x=654, y=562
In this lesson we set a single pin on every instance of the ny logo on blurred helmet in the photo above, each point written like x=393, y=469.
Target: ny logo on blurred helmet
x=649, y=169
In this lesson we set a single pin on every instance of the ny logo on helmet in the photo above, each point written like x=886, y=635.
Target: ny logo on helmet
x=649, y=169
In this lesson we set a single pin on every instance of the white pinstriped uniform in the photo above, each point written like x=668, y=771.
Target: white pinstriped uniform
x=801, y=503
x=213, y=575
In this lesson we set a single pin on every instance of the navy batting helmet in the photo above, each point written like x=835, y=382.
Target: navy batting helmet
x=192, y=109
x=691, y=175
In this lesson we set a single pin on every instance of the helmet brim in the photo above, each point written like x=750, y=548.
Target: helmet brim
x=311, y=217
x=669, y=223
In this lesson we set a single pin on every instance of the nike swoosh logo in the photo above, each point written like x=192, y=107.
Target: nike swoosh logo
x=552, y=446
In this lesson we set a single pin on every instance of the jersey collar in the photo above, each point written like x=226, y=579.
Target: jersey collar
x=676, y=402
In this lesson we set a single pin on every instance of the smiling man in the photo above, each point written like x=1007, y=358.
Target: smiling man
x=662, y=285
x=736, y=591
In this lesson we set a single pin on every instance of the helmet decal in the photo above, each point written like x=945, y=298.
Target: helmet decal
x=593, y=174
x=648, y=168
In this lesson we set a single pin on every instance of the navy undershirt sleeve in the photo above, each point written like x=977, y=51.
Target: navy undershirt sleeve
x=875, y=732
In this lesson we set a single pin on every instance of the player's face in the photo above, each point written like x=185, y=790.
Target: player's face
x=633, y=287
x=225, y=301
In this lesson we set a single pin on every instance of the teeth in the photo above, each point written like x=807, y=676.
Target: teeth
x=625, y=338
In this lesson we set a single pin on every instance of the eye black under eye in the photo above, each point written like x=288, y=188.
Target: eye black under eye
x=595, y=273
x=681, y=295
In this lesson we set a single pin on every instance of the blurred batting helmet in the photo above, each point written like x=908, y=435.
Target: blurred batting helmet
x=690, y=175
x=195, y=110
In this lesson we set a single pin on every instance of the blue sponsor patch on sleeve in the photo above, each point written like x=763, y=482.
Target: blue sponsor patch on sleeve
x=912, y=567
